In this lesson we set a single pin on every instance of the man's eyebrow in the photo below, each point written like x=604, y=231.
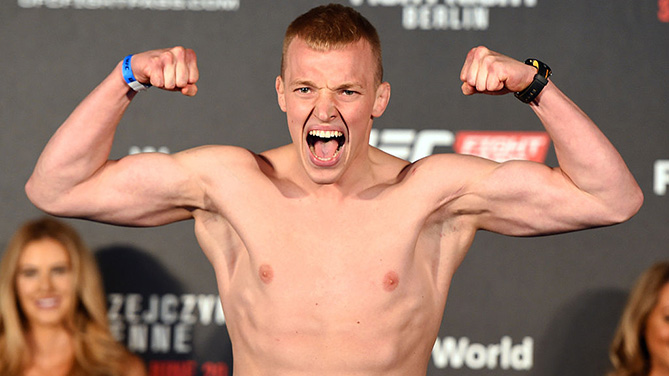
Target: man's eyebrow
x=302, y=83
x=343, y=86
x=348, y=85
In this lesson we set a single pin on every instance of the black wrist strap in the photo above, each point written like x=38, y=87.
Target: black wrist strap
x=540, y=80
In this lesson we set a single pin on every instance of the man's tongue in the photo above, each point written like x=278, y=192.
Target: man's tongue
x=325, y=149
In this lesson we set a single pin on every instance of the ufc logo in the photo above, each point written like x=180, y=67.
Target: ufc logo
x=410, y=144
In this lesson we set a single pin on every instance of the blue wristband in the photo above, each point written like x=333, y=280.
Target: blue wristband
x=130, y=78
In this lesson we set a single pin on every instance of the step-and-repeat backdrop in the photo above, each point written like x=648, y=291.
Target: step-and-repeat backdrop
x=537, y=306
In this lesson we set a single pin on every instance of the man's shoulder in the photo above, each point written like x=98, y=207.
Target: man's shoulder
x=220, y=155
x=449, y=163
x=216, y=151
x=222, y=160
x=433, y=169
x=444, y=173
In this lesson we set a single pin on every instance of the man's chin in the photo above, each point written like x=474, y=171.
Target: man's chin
x=324, y=175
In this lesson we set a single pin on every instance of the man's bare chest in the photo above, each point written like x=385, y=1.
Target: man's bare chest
x=325, y=258
x=349, y=241
x=332, y=230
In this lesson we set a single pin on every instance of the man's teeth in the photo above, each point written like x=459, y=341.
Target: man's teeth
x=325, y=134
x=325, y=137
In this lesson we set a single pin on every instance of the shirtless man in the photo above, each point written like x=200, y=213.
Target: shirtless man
x=331, y=256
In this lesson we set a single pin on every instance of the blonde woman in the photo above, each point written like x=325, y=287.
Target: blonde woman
x=641, y=343
x=53, y=318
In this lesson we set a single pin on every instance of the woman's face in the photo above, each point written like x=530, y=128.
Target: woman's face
x=44, y=283
x=657, y=332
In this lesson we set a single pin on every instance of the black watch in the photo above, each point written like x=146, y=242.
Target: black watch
x=540, y=80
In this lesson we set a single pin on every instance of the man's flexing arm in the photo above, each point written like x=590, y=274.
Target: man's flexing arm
x=591, y=187
x=73, y=176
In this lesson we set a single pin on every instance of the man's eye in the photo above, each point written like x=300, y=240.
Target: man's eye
x=303, y=90
x=348, y=92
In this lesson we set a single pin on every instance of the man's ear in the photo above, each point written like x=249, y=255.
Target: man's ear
x=280, y=93
x=381, y=100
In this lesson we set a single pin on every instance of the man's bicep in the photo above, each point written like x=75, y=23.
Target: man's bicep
x=138, y=190
x=523, y=198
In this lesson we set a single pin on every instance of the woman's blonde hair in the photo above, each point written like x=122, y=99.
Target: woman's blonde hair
x=628, y=351
x=96, y=351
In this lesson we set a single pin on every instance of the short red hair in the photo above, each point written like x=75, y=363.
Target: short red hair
x=334, y=26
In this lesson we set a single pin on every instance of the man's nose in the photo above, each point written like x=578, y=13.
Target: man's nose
x=325, y=108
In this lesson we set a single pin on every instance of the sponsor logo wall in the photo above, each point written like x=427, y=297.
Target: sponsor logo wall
x=538, y=306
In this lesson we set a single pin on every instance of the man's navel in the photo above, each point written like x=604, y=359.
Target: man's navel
x=390, y=281
x=266, y=273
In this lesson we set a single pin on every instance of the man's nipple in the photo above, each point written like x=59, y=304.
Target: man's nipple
x=266, y=273
x=390, y=281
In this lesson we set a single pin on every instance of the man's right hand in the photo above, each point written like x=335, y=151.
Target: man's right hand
x=173, y=69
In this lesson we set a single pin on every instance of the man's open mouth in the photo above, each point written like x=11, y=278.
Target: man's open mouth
x=325, y=145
